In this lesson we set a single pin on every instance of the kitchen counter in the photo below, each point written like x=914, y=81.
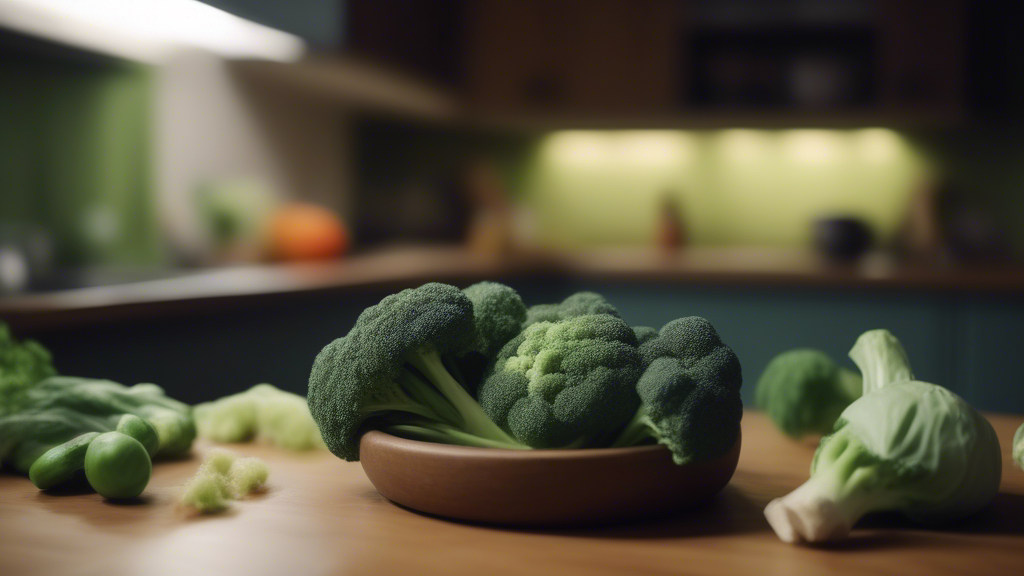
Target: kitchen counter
x=321, y=516
x=199, y=290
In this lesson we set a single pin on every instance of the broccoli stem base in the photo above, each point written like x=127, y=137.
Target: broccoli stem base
x=445, y=434
x=842, y=489
x=474, y=420
x=640, y=428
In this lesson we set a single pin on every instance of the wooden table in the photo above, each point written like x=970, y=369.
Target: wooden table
x=322, y=516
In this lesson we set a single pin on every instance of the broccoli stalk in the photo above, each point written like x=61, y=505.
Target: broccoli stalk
x=450, y=402
x=391, y=371
x=689, y=393
x=904, y=445
x=848, y=483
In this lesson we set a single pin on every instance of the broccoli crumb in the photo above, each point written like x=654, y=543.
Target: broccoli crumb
x=223, y=477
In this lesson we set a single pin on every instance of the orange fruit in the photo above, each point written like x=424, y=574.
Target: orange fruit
x=301, y=231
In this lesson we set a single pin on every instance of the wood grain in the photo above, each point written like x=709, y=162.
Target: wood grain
x=322, y=516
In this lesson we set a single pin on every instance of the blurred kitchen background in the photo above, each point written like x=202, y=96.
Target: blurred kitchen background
x=204, y=194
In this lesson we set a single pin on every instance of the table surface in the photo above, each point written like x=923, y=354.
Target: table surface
x=322, y=516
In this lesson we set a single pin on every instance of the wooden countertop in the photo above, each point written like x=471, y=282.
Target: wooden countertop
x=321, y=516
x=409, y=266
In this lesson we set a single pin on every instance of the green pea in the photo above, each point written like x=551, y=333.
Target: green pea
x=117, y=466
x=60, y=463
x=141, y=430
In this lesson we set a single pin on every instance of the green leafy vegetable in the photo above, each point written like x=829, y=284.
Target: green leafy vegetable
x=905, y=445
x=690, y=393
x=392, y=372
x=579, y=304
x=803, y=391
x=22, y=364
x=565, y=383
x=1018, y=447
x=263, y=412
x=221, y=478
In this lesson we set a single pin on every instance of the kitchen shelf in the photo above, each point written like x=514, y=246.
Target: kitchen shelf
x=718, y=119
x=356, y=84
x=752, y=267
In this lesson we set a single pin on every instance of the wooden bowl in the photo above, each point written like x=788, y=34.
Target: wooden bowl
x=538, y=487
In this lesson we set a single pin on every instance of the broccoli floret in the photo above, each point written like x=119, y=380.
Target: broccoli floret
x=498, y=313
x=904, y=445
x=22, y=364
x=690, y=393
x=1018, y=447
x=389, y=370
x=579, y=304
x=803, y=391
x=645, y=333
x=562, y=384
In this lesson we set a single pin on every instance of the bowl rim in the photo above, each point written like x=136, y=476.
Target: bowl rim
x=423, y=447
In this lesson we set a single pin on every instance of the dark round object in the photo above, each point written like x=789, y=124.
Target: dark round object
x=842, y=238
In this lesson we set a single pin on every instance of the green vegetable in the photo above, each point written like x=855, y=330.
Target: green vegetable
x=262, y=412
x=579, y=304
x=99, y=405
x=60, y=463
x=565, y=383
x=141, y=430
x=1018, y=447
x=248, y=475
x=223, y=477
x=803, y=391
x=498, y=313
x=117, y=466
x=905, y=445
x=21, y=366
x=690, y=393
x=391, y=372
x=645, y=333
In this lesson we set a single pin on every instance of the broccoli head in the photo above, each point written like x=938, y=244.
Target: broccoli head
x=690, y=393
x=579, y=304
x=498, y=313
x=804, y=391
x=389, y=372
x=645, y=333
x=22, y=364
x=565, y=383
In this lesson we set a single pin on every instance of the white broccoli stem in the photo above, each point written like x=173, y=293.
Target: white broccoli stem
x=804, y=515
x=828, y=505
x=881, y=359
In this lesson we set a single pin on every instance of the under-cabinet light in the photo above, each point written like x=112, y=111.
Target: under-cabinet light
x=148, y=30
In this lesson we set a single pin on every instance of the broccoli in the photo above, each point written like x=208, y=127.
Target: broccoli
x=262, y=412
x=566, y=383
x=389, y=373
x=804, y=391
x=904, y=445
x=645, y=333
x=498, y=313
x=579, y=304
x=21, y=366
x=690, y=393
x=1018, y=447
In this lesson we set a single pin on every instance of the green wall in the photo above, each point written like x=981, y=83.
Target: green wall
x=75, y=156
x=733, y=186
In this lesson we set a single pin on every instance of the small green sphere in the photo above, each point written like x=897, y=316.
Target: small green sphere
x=117, y=466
